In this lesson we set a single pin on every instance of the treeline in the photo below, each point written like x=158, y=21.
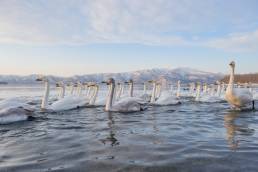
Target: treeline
x=243, y=78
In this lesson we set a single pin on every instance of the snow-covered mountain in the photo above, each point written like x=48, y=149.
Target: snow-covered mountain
x=186, y=75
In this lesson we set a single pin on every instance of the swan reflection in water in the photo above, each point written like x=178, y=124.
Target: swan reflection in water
x=237, y=126
x=110, y=139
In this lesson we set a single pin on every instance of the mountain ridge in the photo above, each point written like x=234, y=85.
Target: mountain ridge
x=172, y=75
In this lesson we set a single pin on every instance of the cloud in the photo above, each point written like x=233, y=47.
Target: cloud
x=156, y=22
x=238, y=42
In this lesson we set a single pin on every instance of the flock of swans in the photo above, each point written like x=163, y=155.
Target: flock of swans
x=79, y=95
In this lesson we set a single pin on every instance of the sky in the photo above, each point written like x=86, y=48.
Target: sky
x=75, y=37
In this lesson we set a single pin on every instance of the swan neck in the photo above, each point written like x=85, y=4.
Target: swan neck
x=131, y=90
x=153, y=95
x=62, y=91
x=231, y=80
x=72, y=88
x=178, y=90
x=46, y=96
x=198, y=93
x=144, y=89
x=110, y=98
x=94, y=97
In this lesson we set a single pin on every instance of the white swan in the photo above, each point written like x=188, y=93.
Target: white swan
x=145, y=96
x=205, y=97
x=14, y=110
x=238, y=98
x=131, y=93
x=95, y=100
x=67, y=103
x=165, y=99
x=129, y=104
x=11, y=115
x=178, y=89
x=61, y=85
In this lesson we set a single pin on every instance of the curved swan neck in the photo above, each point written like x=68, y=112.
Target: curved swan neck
x=198, y=92
x=110, y=97
x=178, y=89
x=89, y=91
x=219, y=90
x=72, y=89
x=144, y=88
x=94, y=97
x=205, y=88
x=119, y=90
x=153, y=95
x=231, y=79
x=62, y=91
x=131, y=89
x=79, y=91
x=44, y=102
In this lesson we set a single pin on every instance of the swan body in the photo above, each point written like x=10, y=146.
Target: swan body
x=206, y=98
x=68, y=103
x=145, y=97
x=239, y=98
x=129, y=104
x=11, y=115
x=64, y=104
x=167, y=99
x=14, y=110
x=15, y=102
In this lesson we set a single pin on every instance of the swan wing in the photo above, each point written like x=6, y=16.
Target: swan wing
x=10, y=115
x=68, y=103
x=129, y=104
x=243, y=96
x=15, y=103
x=167, y=100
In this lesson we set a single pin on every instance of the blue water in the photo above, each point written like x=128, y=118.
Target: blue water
x=187, y=137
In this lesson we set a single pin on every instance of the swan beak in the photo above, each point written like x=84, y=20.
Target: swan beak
x=38, y=79
x=232, y=63
x=105, y=82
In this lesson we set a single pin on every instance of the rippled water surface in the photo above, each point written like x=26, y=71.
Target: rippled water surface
x=188, y=137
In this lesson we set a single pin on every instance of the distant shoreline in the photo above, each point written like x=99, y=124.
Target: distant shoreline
x=3, y=83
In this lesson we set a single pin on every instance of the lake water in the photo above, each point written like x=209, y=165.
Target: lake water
x=187, y=137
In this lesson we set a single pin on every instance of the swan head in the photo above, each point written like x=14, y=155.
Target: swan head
x=92, y=84
x=232, y=64
x=152, y=82
x=110, y=81
x=58, y=84
x=130, y=81
x=42, y=78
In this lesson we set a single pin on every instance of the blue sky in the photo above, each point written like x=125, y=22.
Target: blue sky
x=67, y=37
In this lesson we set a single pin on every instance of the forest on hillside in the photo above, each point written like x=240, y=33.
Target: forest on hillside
x=243, y=78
